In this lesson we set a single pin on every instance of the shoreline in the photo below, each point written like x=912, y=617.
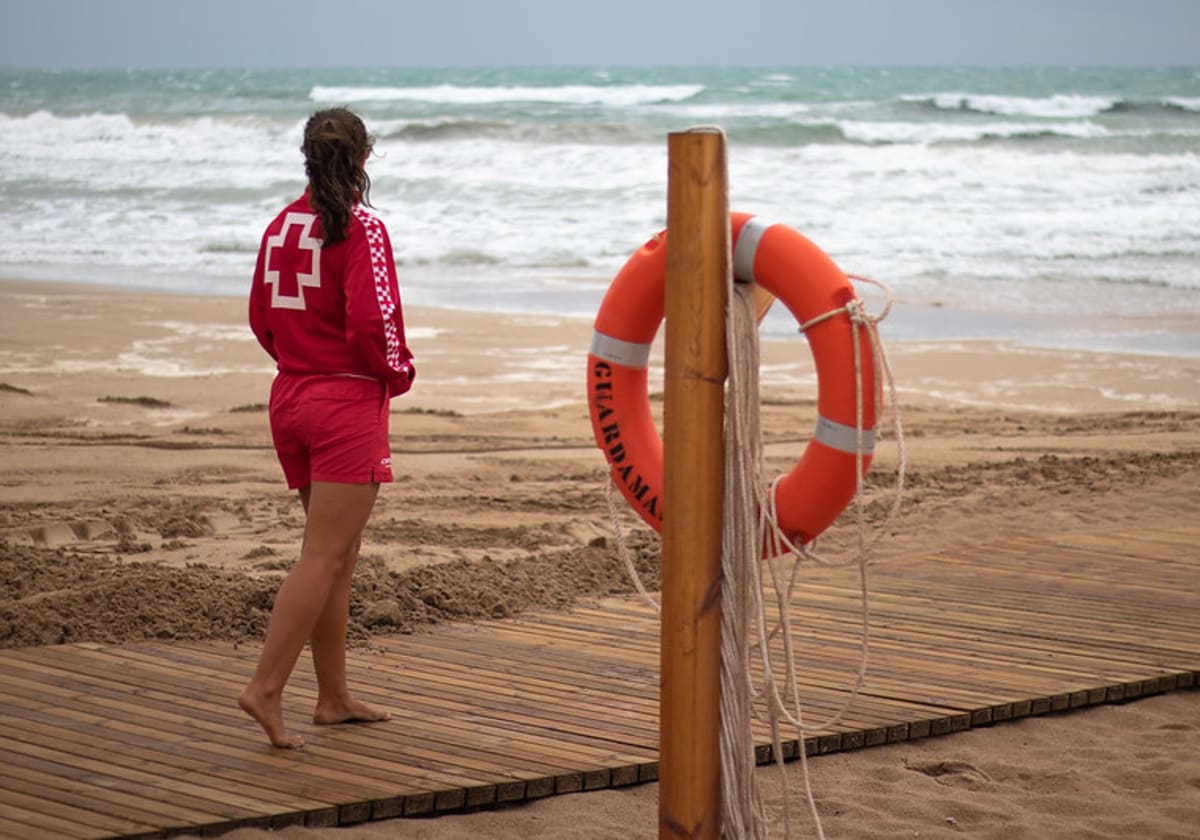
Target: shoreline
x=476, y=362
x=1154, y=334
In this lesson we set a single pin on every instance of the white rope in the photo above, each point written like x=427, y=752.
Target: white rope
x=783, y=703
x=626, y=555
x=742, y=814
x=777, y=542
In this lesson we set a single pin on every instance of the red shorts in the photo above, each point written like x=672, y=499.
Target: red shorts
x=331, y=428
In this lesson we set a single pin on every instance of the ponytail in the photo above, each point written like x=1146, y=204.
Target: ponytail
x=336, y=147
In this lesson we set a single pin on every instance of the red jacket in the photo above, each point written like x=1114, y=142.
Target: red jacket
x=330, y=309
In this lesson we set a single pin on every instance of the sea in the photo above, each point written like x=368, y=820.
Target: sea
x=1046, y=206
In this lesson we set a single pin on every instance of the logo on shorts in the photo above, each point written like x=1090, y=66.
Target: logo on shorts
x=385, y=462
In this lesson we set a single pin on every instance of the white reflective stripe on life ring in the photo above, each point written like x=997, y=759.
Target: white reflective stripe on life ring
x=616, y=350
x=747, y=247
x=843, y=438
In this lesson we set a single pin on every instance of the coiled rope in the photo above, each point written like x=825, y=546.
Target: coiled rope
x=783, y=703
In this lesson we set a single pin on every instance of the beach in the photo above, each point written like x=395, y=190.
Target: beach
x=137, y=459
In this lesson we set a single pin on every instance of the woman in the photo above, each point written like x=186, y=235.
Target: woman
x=325, y=305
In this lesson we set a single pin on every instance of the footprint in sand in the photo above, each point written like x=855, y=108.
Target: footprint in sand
x=951, y=773
x=58, y=534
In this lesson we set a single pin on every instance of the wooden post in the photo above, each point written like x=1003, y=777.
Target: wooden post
x=693, y=485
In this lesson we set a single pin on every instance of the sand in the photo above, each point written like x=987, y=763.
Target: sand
x=135, y=450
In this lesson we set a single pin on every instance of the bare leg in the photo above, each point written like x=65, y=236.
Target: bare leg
x=334, y=701
x=336, y=516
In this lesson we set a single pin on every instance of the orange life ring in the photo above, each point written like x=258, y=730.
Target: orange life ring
x=785, y=263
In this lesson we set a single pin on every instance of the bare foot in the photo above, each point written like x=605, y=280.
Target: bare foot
x=347, y=710
x=270, y=717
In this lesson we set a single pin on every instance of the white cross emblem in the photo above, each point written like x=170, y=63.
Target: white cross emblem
x=284, y=265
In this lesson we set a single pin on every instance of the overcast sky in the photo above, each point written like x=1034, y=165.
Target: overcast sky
x=86, y=34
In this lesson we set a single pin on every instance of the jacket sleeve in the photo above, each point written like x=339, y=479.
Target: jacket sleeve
x=259, y=301
x=374, y=316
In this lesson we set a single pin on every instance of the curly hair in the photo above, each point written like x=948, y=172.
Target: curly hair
x=336, y=147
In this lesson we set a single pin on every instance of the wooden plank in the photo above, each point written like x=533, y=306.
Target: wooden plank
x=27, y=818
x=206, y=775
x=457, y=693
x=102, y=740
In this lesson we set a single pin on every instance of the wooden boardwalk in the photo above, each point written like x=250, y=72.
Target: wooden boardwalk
x=144, y=739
